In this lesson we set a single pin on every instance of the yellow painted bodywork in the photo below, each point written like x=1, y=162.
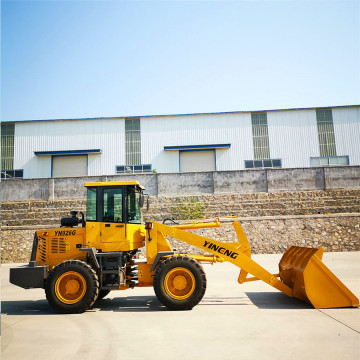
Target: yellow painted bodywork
x=114, y=183
x=302, y=269
x=115, y=236
x=236, y=253
x=145, y=277
x=302, y=273
x=58, y=245
x=135, y=236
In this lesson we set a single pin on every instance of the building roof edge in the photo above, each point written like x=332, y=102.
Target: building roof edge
x=186, y=114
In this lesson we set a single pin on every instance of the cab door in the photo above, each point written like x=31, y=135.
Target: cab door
x=112, y=226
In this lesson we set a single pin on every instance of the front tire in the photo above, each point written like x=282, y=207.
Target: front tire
x=72, y=287
x=180, y=283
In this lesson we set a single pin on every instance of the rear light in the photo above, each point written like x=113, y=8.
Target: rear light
x=148, y=225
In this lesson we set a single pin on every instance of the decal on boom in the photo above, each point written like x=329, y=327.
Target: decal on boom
x=220, y=250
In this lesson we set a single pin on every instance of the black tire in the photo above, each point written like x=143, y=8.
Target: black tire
x=102, y=294
x=72, y=287
x=180, y=283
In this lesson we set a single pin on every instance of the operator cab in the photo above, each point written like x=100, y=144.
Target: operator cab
x=113, y=215
x=119, y=202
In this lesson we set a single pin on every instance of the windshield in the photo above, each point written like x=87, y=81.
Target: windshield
x=134, y=212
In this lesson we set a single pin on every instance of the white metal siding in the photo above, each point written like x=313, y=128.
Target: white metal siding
x=347, y=133
x=105, y=134
x=234, y=129
x=292, y=136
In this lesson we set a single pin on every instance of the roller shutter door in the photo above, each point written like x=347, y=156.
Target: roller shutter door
x=197, y=161
x=63, y=166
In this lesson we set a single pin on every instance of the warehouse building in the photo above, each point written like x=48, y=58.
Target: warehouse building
x=292, y=138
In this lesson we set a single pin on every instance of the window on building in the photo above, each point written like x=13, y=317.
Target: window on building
x=7, y=146
x=12, y=174
x=329, y=160
x=260, y=136
x=132, y=141
x=262, y=164
x=133, y=169
x=326, y=135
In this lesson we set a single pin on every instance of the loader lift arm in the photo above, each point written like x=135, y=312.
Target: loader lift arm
x=302, y=273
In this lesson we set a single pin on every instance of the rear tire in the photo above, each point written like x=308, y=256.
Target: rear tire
x=72, y=287
x=180, y=283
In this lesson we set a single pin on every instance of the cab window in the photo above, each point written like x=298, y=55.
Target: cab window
x=91, y=205
x=113, y=205
x=134, y=215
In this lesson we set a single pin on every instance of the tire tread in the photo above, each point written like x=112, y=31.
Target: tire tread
x=200, y=289
x=92, y=288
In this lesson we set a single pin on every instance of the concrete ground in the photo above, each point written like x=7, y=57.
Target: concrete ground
x=249, y=321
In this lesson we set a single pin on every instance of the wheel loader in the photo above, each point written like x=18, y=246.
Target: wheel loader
x=84, y=259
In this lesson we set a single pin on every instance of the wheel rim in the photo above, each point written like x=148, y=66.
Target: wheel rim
x=179, y=283
x=70, y=287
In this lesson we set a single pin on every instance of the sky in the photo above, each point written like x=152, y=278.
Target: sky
x=85, y=59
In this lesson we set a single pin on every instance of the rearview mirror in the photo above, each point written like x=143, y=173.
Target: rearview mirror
x=141, y=200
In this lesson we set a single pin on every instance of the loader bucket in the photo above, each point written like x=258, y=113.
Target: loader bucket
x=302, y=270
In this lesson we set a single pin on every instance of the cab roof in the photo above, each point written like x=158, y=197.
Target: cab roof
x=114, y=183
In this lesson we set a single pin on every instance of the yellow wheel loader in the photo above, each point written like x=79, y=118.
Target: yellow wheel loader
x=78, y=265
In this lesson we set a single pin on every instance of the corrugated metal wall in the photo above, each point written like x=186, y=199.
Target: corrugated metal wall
x=158, y=132
x=347, y=133
x=292, y=136
x=107, y=135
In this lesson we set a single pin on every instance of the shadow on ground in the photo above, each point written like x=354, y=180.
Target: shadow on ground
x=130, y=304
x=26, y=307
x=276, y=300
x=263, y=300
x=121, y=304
